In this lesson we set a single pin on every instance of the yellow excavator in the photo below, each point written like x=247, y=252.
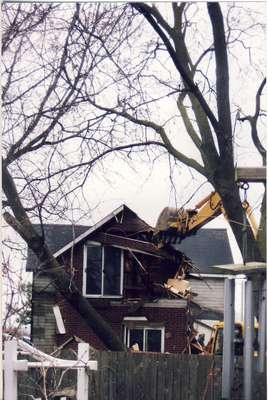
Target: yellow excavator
x=215, y=344
x=175, y=224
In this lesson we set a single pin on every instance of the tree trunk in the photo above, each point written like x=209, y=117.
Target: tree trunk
x=235, y=213
x=21, y=224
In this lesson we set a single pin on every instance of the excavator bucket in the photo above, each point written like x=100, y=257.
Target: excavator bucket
x=168, y=216
x=173, y=225
x=168, y=229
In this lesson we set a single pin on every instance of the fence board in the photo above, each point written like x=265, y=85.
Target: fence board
x=192, y=378
x=151, y=379
x=175, y=380
x=122, y=371
x=184, y=373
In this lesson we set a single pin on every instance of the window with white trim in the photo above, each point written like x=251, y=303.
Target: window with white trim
x=103, y=270
x=148, y=338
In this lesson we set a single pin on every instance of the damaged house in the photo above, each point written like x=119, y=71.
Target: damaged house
x=127, y=279
x=208, y=247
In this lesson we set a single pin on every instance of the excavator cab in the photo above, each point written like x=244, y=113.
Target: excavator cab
x=216, y=341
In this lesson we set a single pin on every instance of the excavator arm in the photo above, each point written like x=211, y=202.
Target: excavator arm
x=175, y=224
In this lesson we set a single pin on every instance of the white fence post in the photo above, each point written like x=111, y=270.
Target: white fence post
x=12, y=365
x=11, y=382
x=82, y=377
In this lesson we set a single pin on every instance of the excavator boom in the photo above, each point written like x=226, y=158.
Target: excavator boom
x=175, y=224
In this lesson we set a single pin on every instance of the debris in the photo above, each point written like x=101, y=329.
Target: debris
x=135, y=347
x=180, y=287
x=193, y=346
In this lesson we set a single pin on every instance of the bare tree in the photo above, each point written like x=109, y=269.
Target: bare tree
x=46, y=61
x=82, y=82
x=196, y=77
x=213, y=132
x=16, y=293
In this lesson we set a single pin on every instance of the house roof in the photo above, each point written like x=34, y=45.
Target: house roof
x=59, y=238
x=206, y=248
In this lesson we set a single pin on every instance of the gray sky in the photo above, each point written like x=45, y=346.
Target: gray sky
x=147, y=189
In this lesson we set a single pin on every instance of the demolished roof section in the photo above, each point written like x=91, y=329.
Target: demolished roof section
x=122, y=228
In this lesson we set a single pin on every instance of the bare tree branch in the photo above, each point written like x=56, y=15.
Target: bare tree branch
x=21, y=224
x=161, y=131
x=222, y=82
x=143, y=9
x=253, y=120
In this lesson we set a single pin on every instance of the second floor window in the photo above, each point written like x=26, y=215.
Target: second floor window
x=103, y=271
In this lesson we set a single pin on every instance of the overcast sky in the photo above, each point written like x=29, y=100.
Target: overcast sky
x=147, y=189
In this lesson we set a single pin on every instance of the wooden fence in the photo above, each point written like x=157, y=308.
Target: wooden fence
x=147, y=376
x=140, y=376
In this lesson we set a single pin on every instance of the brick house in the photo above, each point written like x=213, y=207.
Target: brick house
x=122, y=274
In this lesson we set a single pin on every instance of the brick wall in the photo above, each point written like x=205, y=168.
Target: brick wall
x=173, y=319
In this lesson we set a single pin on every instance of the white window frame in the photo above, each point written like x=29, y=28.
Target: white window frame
x=145, y=328
x=102, y=275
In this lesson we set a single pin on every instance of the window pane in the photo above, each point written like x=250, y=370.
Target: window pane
x=94, y=266
x=136, y=336
x=153, y=340
x=112, y=271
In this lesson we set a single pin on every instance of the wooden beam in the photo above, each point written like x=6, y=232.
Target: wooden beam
x=250, y=174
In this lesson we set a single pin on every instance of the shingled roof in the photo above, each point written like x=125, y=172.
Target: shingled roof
x=206, y=248
x=56, y=237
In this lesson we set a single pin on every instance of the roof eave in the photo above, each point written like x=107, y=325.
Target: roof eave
x=90, y=230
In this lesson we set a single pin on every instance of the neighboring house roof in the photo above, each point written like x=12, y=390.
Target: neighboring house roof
x=206, y=248
x=56, y=237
